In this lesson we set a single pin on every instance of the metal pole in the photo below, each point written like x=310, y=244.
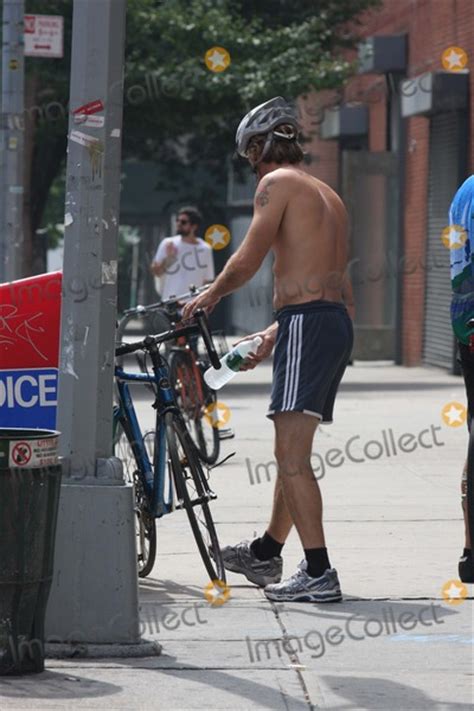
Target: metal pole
x=11, y=142
x=95, y=591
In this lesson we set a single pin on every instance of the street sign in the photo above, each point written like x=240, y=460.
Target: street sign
x=30, y=312
x=44, y=36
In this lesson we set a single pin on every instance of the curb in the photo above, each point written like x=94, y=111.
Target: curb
x=82, y=650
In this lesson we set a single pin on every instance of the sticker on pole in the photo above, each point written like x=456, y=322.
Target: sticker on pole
x=92, y=107
x=34, y=453
x=84, y=139
x=89, y=121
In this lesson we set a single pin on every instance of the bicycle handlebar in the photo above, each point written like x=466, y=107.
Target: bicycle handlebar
x=201, y=318
x=202, y=327
x=193, y=291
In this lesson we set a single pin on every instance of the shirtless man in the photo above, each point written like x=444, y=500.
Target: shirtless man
x=305, y=224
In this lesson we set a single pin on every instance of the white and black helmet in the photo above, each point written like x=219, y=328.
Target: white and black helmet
x=262, y=120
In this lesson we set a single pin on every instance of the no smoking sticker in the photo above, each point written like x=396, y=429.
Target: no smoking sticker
x=34, y=453
x=21, y=454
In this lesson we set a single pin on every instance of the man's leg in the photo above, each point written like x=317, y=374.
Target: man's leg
x=293, y=446
x=294, y=434
x=466, y=563
x=317, y=582
x=273, y=540
x=467, y=536
x=281, y=522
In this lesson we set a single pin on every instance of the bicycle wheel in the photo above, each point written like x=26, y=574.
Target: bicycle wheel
x=193, y=398
x=194, y=494
x=145, y=527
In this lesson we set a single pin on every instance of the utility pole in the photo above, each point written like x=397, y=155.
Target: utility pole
x=12, y=141
x=94, y=596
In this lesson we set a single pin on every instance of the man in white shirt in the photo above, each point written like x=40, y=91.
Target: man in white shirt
x=185, y=259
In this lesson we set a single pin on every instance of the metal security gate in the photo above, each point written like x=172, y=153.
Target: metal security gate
x=446, y=172
x=371, y=193
x=251, y=307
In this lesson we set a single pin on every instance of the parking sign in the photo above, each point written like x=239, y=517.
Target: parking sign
x=44, y=35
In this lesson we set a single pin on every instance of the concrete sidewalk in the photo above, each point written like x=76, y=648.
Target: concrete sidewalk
x=394, y=530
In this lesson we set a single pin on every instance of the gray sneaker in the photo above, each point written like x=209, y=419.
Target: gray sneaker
x=241, y=559
x=303, y=588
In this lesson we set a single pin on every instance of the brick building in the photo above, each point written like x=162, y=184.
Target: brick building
x=396, y=142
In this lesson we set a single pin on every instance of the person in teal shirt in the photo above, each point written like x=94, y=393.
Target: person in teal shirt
x=461, y=247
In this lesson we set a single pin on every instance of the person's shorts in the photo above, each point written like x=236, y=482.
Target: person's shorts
x=314, y=344
x=466, y=359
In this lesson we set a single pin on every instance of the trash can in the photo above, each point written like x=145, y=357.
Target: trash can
x=30, y=479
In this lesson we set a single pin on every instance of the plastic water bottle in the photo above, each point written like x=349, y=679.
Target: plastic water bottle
x=231, y=362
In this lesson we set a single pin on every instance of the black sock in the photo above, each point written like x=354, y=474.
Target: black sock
x=266, y=547
x=466, y=552
x=318, y=561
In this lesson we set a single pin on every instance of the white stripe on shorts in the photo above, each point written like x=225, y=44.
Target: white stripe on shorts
x=293, y=358
x=288, y=358
x=298, y=361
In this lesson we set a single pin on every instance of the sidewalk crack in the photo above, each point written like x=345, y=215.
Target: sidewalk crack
x=296, y=664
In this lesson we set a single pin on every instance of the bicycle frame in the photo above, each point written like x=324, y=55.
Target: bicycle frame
x=125, y=413
x=185, y=347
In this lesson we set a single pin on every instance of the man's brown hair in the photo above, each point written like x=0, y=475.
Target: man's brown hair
x=282, y=150
x=193, y=214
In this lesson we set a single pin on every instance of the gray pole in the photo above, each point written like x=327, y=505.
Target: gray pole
x=94, y=597
x=11, y=142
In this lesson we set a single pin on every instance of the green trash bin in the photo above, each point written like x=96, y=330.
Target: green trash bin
x=30, y=479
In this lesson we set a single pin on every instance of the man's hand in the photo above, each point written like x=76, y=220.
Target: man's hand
x=264, y=350
x=171, y=254
x=207, y=301
x=158, y=268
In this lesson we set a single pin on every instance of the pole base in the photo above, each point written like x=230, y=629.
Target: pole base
x=94, y=592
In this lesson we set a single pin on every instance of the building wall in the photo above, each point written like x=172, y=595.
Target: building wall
x=432, y=26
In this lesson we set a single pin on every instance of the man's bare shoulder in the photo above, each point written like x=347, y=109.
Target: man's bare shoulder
x=278, y=182
x=282, y=175
x=293, y=176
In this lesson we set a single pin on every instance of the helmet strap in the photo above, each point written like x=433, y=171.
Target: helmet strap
x=266, y=147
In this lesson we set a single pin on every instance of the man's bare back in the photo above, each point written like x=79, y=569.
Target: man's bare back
x=310, y=248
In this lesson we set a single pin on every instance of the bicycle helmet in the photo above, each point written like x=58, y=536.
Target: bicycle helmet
x=262, y=120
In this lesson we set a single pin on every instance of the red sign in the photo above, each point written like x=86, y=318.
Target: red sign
x=30, y=312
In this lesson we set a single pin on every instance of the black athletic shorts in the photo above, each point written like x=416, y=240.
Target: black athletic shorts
x=466, y=359
x=313, y=347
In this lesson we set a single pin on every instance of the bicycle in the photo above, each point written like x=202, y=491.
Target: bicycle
x=163, y=464
x=195, y=399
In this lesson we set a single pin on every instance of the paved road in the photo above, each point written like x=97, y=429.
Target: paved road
x=390, y=469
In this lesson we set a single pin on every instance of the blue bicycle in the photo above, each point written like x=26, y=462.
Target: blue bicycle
x=163, y=464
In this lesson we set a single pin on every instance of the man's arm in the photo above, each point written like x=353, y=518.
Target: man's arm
x=270, y=202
